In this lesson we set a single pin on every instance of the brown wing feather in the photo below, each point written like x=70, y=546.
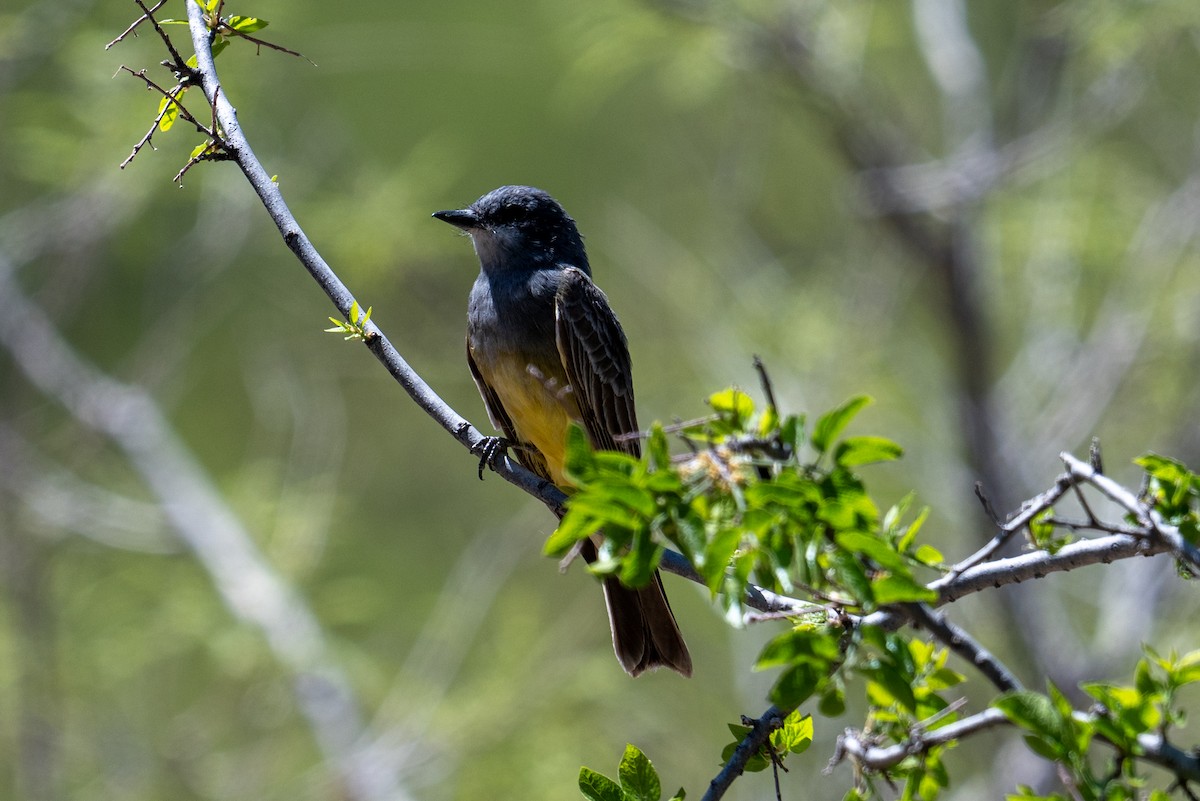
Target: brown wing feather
x=595, y=356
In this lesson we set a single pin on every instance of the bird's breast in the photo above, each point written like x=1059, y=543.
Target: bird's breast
x=511, y=336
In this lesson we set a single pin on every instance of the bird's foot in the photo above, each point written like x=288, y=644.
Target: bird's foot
x=489, y=450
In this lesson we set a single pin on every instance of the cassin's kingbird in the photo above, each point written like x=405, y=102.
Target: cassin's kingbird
x=545, y=349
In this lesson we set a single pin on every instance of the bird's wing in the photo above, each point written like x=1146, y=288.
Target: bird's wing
x=527, y=456
x=596, y=359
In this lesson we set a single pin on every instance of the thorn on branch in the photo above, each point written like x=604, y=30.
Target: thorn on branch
x=1094, y=456
x=987, y=504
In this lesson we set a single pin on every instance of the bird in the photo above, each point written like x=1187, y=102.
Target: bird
x=546, y=350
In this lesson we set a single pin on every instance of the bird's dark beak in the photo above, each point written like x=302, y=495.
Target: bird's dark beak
x=460, y=218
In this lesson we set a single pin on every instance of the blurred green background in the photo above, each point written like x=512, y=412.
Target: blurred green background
x=983, y=214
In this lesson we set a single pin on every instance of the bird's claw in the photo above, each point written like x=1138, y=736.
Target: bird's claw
x=490, y=449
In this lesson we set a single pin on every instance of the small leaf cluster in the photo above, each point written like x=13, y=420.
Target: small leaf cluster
x=1174, y=492
x=904, y=680
x=1120, y=717
x=637, y=780
x=1046, y=534
x=794, y=736
x=764, y=499
x=354, y=327
x=757, y=499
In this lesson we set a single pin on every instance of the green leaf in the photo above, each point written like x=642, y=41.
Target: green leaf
x=170, y=112
x=1035, y=713
x=639, y=564
x=928, y=555
x=796, y=734
x=605, y=504
x=717, y=553
x=574, y=526
x=628, y=497
x=832, y=423
x=598, y=787
x=792, y=432
x=786, y=489
x=895, y=588
x=1043, y=748
x=580, y=461
x=1187, y=669
x=875, y=549
x=768, y=422
x=638, y=777
x=816, y=646
x=732, y=405
x=250, y=25
x=944, y=677
x=686, y=530
x=854, y=451
x=1041, y=528
x=753, y=765
x=910, y=534
x=795, y=686
x=850, y=575
x=658, y=453
x=1164, y=468
x=888, y=686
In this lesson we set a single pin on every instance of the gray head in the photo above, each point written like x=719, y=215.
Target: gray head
x=520, y=228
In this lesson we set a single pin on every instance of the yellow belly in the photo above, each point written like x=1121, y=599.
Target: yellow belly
x=540, y=406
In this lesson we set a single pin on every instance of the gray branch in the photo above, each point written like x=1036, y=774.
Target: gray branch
x=860, y=749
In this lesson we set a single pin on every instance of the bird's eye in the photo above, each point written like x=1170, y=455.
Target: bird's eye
x=516, y=213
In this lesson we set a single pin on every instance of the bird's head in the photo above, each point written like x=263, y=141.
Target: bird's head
x=519, y=228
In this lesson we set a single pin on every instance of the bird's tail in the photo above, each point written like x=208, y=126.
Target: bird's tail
x=644, y=632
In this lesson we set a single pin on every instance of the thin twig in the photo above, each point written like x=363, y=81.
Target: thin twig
x=172, y=99
x=876, y=758
x=1156, y=528
x=765, y=380
x=146, y=139
x=1029, y=510
x=226, y=29
x=180, y=63
x=987, y=504
x=133, y=28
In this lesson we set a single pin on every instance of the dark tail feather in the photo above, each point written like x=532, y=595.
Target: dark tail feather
x=644, y=632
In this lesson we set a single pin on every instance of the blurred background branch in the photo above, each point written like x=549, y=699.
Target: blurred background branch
x=983, y=215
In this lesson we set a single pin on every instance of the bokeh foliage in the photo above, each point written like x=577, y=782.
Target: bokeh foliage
x=703, y=149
